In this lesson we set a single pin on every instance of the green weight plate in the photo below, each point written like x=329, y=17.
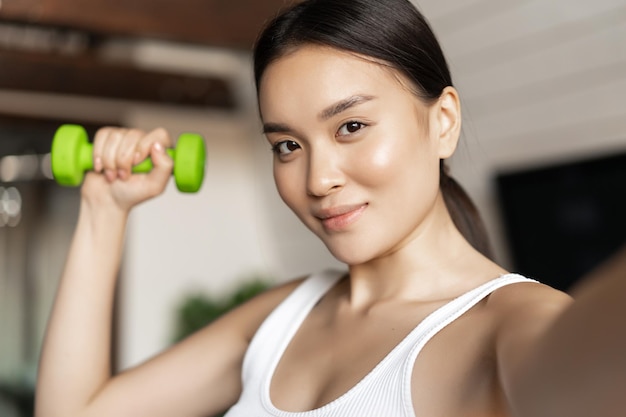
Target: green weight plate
x=189, y=162
x=68, y=144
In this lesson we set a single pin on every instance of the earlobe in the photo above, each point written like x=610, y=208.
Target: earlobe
x=449, y=118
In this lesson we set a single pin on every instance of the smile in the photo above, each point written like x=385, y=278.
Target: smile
x=339, y=218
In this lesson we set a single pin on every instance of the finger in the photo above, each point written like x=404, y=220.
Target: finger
x=109, y=152
x=145, y=145
x=126, y=151
x=160, y=159
x=158, y=178
x=98, y=146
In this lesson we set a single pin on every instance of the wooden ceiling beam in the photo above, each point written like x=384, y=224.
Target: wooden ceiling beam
x=85, y=76
x=221, y=23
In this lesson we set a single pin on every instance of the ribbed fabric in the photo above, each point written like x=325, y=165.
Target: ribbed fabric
x=385, y=391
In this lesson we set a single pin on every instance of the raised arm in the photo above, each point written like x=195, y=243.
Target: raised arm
x=75, y=360
x=563, y=358
x=198, y=377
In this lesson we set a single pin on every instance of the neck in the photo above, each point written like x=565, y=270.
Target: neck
x=434, y=264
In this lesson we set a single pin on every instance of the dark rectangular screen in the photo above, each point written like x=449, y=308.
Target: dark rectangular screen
x=563, y=220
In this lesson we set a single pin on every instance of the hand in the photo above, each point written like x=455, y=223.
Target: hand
x=115, y=151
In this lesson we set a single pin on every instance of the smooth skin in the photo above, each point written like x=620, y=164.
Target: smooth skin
x=356, y=158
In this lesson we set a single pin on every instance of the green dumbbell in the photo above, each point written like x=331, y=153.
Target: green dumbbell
x=72, y=155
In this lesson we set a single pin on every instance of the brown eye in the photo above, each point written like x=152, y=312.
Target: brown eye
x=349, y=128
x=285, y=147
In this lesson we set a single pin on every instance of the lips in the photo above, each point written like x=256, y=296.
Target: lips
x=340, y=217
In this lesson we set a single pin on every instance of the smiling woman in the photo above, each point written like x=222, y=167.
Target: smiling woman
x=367, y=151
x=358, y=105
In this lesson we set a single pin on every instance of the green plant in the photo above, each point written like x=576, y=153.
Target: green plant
x=197, y=310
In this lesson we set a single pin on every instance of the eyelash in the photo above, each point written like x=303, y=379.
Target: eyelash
x=276, y=147
x=351, y=122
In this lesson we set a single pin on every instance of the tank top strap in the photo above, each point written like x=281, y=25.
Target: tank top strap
x=277, y=330
x=441, y=318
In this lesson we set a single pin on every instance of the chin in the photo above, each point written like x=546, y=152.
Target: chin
x=350, y=254
x=349, y=248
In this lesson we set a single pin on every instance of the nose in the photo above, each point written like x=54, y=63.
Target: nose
x=324, y=175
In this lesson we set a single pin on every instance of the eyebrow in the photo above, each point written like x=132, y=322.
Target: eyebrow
x=325, y=114
x=275, y=128
x=343, y=105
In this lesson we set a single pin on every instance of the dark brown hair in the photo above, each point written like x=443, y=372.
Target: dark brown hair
x=390, y=31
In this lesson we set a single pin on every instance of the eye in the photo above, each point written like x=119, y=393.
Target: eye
x=285, y=147
x=350, y=128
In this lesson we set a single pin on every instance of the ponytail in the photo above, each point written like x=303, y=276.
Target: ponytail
x=464, y=213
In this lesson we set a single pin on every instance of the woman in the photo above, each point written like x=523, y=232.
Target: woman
x=358, y=106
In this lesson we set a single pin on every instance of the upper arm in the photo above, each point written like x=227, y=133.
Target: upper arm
x=558, y=358
x=525, y=351
x=199, y=376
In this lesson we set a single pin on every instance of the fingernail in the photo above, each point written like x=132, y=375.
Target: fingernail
x=121, y=173
x=158, y=147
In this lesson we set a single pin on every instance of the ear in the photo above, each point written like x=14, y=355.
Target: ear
x=447, y=113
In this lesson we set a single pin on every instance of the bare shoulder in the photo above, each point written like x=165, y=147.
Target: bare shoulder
x=525, y=313
x=521, y=302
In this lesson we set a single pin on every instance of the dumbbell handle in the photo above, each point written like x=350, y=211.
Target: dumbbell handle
x=86, y=160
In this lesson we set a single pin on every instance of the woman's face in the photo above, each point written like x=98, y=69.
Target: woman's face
x=356, y=153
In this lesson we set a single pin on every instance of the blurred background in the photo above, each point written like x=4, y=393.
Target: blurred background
x=543, y=86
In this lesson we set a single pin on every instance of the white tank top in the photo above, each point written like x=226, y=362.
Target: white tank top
x=384, y=391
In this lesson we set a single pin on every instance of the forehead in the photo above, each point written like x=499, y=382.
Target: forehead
x=313, y=77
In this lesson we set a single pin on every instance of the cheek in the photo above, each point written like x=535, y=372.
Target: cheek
x=400, y=167
x=286, y=184
x=381, y=158
x=389, y=159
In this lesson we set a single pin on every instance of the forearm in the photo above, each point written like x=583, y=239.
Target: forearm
x=75, y=360
x=579, y=369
